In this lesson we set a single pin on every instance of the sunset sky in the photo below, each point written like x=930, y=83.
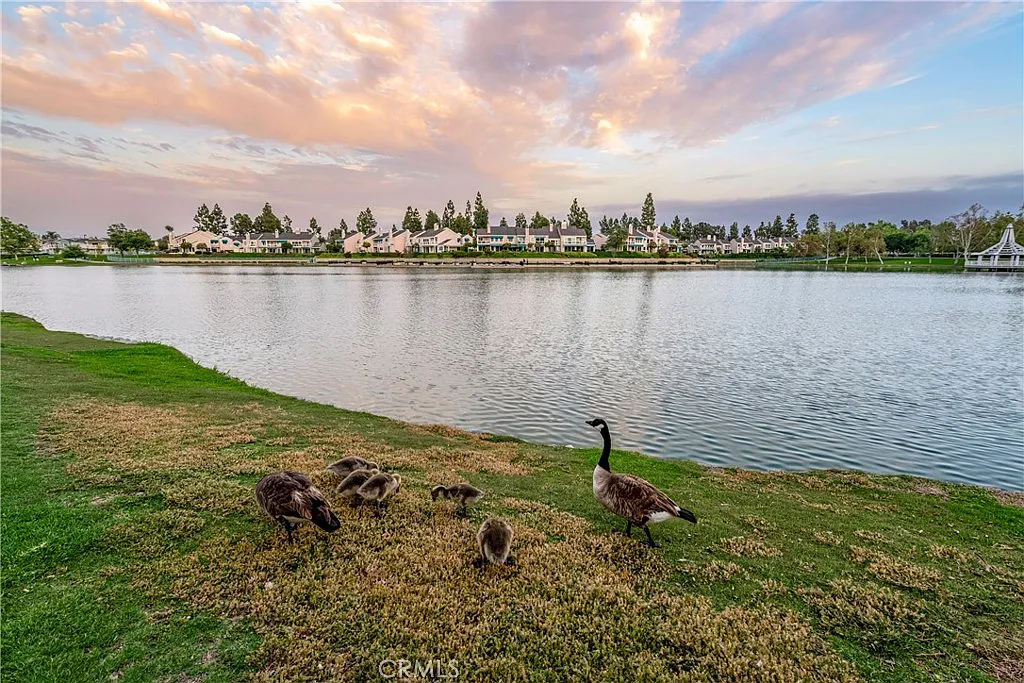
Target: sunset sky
x=855, y=110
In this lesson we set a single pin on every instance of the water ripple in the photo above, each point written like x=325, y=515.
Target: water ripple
x=895, y=373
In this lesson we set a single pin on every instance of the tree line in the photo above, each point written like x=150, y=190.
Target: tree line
x=969, y=230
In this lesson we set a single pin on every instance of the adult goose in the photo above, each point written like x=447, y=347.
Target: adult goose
x=631, y=497
x=290, y=497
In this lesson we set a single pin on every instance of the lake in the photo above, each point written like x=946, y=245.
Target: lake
x=883, y=372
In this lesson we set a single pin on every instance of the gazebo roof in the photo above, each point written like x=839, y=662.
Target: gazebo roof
x=1006, y=246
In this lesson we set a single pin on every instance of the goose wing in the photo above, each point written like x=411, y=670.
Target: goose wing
x=637, y=499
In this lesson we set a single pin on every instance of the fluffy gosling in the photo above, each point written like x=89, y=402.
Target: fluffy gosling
x=349, y=487
x=346, y=466
x=379, y=489
x=462, y=494
x=494, y=541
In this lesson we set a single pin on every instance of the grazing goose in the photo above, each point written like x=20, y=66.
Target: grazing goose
x=349, y=487
x=632, y=497
x=350, y=464
x=494, y=541
x=379, y=488
x=290, y=498
x=464, y=494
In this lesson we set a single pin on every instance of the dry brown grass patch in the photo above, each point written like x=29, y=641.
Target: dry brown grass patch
x=151, y=535
x=928, y=489
x=896, y=571
x=773, y=587
x=1011, y=498
x=743, y=546
x=713, y=571
x=948, y=552
x=876, y=536
x=759, y=524
x=403, y=587
x=828, y=538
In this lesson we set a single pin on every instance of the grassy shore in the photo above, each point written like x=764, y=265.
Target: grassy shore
x=133, y=550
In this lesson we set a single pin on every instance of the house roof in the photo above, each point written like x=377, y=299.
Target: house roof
x=285, y=236
x=427, y=234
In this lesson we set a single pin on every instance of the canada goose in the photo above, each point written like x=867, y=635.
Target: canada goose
x=463, y=494
x=379, y=488
x=631, y=497
x=350, y=464
x=290, y=498
x=494, y=539
x=349, y=487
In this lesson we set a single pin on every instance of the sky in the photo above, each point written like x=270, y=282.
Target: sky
x=138, y=112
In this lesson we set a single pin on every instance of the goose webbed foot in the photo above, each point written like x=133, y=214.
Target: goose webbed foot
x=478, y=562
x=510, y=561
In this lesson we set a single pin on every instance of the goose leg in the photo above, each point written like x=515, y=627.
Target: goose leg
x=629, y=529
x=650, y=541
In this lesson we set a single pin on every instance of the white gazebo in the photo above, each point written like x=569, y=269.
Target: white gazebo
x=1004, y=255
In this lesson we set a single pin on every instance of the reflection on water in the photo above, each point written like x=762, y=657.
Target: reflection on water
x=771, y=370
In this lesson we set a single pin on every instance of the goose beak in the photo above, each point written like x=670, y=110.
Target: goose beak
x=592, y=423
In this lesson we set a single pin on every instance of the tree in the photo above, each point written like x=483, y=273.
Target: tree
x=734, y=231
x=812, y=224
x=448, y=215
x=365, y=222
x=677, y=226
x=123, y=239
x=314, y=227
x=285, y=246
x=966, y=226
x=647, y=214
x=16, y=238
x=539, y=222
x=747, y=235
x=873, y=241
x=73, y=251
x=412, y=221
x=433, y=220
x=202, y=217
x=579, y=218
x=503, y=223
x=217, y=222
x=241, y=224
x=286, y=223
x=50, y=236
x=267, y=221
x=343, y=226
x=461, y=224
x=687, y=231
x=480, y=213
x=776, y=228
x=521, y=221
x=792, y=228
x=616, y=238
x=829, y=237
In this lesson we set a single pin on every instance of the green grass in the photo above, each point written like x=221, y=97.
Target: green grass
x=132, y=549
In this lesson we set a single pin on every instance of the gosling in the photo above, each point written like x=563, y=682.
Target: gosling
x=346, y=466
x=379, y=489
x=349, y=487
x=463, y=494
x=494, y=541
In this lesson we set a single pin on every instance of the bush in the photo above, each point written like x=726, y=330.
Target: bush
x=74, y=251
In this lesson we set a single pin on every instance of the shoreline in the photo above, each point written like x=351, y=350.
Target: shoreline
x=527, y=264
x=131, y=531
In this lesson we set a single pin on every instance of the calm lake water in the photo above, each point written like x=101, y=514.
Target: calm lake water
x=898, y=373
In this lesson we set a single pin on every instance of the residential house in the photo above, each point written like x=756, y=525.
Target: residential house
x=53, y=246
x=554, y=238
x=355, y=242
x=437, y=241
x=274, y=242
x=501, y=238
x=94, y=246
x=646, y=240
x=204, y=240
x=393, y=241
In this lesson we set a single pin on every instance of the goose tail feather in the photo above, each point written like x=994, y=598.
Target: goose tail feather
x=685, y=514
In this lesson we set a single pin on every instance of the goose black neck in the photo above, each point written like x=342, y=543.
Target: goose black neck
x=603, y=462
